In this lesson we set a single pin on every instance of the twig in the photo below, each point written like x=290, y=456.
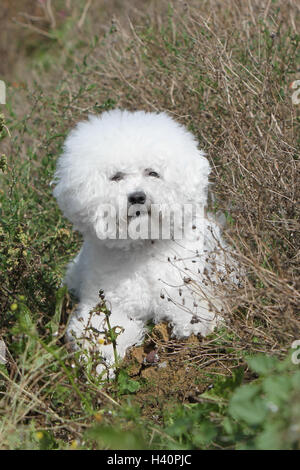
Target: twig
x=84, y=13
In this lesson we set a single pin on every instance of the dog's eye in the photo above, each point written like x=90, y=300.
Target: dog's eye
x=150, y=172
x=117, y=177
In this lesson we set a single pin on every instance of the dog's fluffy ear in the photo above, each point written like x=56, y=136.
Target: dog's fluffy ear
x=76, y=180
x=190, y=174
x=196, y=173
x=188, y=167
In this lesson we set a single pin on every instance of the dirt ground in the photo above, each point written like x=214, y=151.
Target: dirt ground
x=175, y=371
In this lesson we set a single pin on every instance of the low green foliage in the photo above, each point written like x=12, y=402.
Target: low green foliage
x=263, y=414
x=126, y=384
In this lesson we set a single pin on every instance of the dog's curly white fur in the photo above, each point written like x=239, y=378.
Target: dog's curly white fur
x=106, y=160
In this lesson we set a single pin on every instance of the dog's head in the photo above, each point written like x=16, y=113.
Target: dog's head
x=121, y=167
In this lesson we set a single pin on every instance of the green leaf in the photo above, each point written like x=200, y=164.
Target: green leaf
x=262, y=364
x=126, y=384
x=277, y=389
x=270, y=438
x=205, y=433
x=55, y=321
x=112, y=438
x=224, y=386
x=246, y=404
x=25, y=320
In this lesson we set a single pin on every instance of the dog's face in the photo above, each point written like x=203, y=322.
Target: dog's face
x=138, y=196
x=127, y=175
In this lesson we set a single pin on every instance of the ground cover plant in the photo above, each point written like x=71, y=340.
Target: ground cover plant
x=224, y=69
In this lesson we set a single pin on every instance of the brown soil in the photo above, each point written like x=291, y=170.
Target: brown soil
x=173, y=371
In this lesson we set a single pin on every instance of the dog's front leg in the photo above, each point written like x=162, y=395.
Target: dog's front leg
x=127, y=332
x=89, y=331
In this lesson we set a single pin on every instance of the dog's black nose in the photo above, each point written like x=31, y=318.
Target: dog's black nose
x=138, y=197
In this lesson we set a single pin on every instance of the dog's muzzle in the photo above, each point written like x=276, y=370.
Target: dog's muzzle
x=137, y=197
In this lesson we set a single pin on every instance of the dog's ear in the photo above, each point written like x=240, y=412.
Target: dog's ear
x=195, y=175
x=188, y=166
x=71, y=200
x=77, y=180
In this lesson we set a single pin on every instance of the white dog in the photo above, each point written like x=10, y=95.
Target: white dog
x=118, y=171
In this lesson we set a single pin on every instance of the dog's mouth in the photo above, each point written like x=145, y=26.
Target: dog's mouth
x=135, y=213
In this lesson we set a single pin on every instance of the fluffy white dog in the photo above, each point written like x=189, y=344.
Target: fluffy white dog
x=135, y=185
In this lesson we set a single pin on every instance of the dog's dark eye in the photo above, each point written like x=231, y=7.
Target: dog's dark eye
x=117, y=177
x=150, y=172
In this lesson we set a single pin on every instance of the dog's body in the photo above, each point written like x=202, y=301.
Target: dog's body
x=123, y=159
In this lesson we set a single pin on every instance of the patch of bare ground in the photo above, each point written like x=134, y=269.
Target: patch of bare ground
x=175, y=371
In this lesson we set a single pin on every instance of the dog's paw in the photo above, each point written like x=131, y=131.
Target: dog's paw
x=105, y=372
x=194, y=326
